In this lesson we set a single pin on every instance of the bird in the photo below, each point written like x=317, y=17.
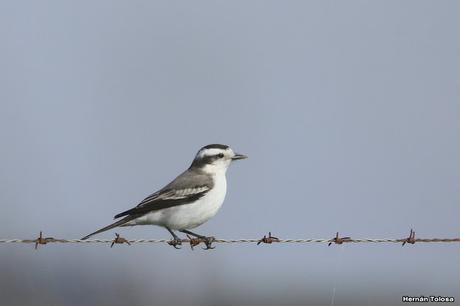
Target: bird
x=191, y=199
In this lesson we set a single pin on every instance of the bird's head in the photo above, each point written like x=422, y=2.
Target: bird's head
x=215, y=158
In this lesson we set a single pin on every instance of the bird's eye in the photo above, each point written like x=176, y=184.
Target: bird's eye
x=220, y=155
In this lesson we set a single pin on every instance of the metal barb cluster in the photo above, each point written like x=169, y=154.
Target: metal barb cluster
x=119, y=240
x=41, y=240
x=339, y=240
x=411, y=239
x=194, y=241
x=270, y=239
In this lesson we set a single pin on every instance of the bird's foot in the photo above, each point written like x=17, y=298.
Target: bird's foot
x=194, y=241
x=175, y=242
x=208, y=242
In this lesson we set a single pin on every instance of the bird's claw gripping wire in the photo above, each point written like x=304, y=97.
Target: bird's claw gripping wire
x=175, y=242
x=119, y=240
x=194, y=241
x=339, y=240
x=411, y=239
x=269, y=239
x=208, y=242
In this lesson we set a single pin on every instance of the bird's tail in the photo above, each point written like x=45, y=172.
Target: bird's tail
x=115, y=224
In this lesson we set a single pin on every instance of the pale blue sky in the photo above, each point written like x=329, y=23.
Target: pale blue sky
x=348, y=110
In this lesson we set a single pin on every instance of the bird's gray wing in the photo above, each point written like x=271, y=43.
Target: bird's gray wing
x=186, y=188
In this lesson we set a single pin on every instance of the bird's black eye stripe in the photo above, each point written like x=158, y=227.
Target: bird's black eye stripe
x=220, y=155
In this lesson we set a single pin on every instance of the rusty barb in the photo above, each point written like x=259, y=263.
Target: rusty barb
x=41, y=240
x=119, y=240
x=339, y=240
x=194, y=241
x=411, y=239
x=270, y=239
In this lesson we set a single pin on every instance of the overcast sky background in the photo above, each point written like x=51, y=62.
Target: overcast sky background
x=348, y=110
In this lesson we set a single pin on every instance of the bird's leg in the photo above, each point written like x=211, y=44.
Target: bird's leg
x=175, y=241
x=207, y=240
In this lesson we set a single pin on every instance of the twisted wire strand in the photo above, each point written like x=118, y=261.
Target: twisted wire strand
x=233, y=241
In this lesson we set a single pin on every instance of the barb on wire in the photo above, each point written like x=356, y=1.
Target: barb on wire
x=119, y=240
x=194, y=241
x=339, y=240
x=208, y=241
x=411, y=239
x=41, y=240
x=270, y=239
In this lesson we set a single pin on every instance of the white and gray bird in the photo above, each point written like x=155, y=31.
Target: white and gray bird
x=189, y=200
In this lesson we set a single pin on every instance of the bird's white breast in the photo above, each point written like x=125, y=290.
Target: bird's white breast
x=188, y=216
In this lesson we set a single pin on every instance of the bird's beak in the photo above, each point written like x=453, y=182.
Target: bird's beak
x=239, y=156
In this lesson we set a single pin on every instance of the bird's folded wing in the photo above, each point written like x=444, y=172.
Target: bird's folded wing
x=166, y=198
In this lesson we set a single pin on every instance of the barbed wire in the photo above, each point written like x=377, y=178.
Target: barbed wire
x=194, y=241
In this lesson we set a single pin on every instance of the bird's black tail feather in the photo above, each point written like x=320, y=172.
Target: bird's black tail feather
x=127, y=212
x=115, y=224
